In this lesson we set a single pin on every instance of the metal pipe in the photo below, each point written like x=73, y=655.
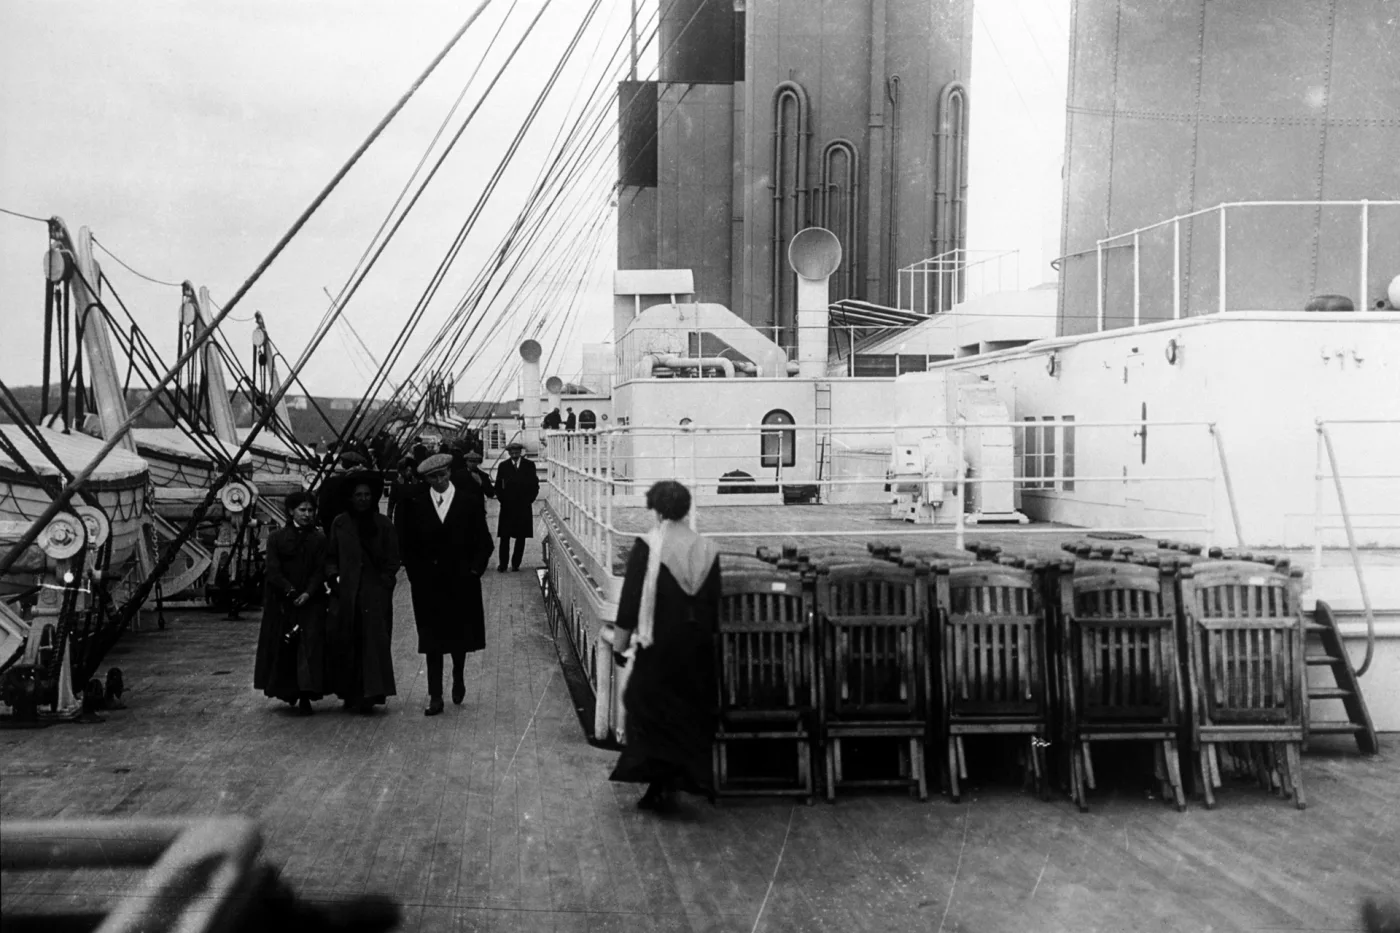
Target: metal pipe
x=1355, y=554
x=892, y=223
x=1362, y=302
x=785, y=92
x=851, y=207
x=1176, y=271
x=950, y=181
x=875, y=152
x=1221, y=298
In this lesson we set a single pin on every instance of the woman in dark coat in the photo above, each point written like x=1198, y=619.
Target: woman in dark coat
x=291, y=643
x=446, y=549
x=666, y=619
x=362, y=563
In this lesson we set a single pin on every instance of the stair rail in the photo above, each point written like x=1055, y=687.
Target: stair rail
x=1324, y=445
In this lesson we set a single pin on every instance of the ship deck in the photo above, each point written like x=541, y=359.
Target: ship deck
x=499, y=814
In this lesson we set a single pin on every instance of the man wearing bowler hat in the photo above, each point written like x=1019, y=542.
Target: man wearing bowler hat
x=446, y=547
x=517, y=486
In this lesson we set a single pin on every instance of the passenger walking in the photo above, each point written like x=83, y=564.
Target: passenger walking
x=362, y=563
x=477, y=475
x=570, y=422
x=446, y=548
x=333, y=497
x=290, y=663
x=517, y=486
x=667, y=615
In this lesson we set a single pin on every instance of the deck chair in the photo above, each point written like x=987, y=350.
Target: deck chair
x=1245, y=632
x=766, y=661
x=1121, y=675
x=874, y=665
x=993, y=658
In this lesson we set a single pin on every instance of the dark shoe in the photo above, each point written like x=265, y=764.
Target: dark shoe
x=434, y=706
x=366, y=707
x=500, y=568
x=515, y=569
x=459, y=693
x=304, y=708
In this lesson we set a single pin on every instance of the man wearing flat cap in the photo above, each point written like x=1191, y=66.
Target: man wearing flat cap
x=446, y=547
x=473, y=473
x=517, y=487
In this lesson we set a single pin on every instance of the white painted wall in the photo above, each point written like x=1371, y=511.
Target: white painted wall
x=1263, y=379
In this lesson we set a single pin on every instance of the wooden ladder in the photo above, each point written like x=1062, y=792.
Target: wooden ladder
x=1346, y=686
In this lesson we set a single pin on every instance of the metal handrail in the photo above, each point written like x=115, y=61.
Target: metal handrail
x=1324, y=445
x=601, y=484
x=1136, y=233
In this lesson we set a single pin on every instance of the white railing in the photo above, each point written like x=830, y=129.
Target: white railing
x=939, y=282
x=1224, y=210
x=589, y=470
x=1323, y=521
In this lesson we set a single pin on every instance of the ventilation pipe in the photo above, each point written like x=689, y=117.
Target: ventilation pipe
x=842, y=200
x=530, y=352
x=875, y=156
x=647, y=364
x=950, y=186
x=788, y=92
x=814, y=254
x=554, y=388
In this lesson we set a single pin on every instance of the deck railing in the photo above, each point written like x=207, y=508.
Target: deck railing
x=590, y=472
x=939, y=282
x=1224, y=211
x=1330, y=473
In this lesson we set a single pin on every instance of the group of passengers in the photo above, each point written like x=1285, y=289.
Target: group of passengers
x=328, y=606
x=328, y=611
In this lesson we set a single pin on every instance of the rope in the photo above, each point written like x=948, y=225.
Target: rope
x=6, y=210
x=103, y=246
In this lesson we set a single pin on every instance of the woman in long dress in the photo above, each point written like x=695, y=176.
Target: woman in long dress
x=666, y=620
x=362, y=564
x=290, y=662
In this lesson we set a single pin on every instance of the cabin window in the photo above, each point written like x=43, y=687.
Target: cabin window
x=778, y=447
x=1038, y=455
x=587, y=421
x=1030, y=457
x=495, y=436
x=1067, y=453
x=1047, y=453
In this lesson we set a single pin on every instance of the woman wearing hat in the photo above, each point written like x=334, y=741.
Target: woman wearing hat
x=362, y=563
x=291, y=643
x=667, y=614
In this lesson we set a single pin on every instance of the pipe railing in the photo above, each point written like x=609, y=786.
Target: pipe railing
x=1326, y=451
x=1223, y=209
x=588, y=472
x=919, y=286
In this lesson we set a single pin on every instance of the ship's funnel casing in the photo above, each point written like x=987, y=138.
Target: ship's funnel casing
x=814, y=254
x=530, y=352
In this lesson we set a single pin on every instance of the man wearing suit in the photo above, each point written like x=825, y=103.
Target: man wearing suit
x=517, y=486
x=446, y=546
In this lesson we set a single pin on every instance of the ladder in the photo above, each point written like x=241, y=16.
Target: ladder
x=823, y=411
x=1345, y=684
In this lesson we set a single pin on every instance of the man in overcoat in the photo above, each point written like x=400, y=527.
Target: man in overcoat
x=446, y=547
x=517, y=486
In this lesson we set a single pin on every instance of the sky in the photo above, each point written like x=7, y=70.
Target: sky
x=189, y=136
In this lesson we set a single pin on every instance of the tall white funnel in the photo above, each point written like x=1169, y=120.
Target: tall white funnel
x=813, y=253
x=530, y=352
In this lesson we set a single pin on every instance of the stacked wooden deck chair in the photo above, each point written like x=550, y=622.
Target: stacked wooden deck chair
x=1121, y=680
x=766, y=660
x=1246, y=634
x=992, y=653
x=874, y=665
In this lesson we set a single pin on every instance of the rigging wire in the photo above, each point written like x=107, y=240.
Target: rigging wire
x=400, y=343
x=6, y=210
x=32, y=533
x=103, y=246
x=477, y=288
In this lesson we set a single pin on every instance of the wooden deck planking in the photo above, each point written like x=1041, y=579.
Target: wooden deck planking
x=499, y=816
